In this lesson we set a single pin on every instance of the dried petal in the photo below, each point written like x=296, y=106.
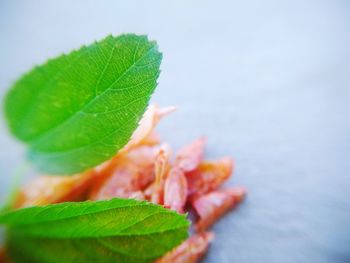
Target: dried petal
x=161, y=169
x=190, y=251
x=143, y=158
x=131, y=172
x=120, y=184
x=175, y=190
x=103, y=173
x=209, y=176
x=54, y=189
x=148, y=191
x=128, y=174
x=150, y=119
x=152, y=139
x=212, y=206
x=138, y=195
x=189, y=157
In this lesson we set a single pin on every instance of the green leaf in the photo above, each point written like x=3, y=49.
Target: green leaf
x=118, y=230
x=78, y=110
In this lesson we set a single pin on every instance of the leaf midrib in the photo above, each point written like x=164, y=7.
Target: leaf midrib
x=42, y=135
x=73, y=216
x=121, y=235
x=158, y=211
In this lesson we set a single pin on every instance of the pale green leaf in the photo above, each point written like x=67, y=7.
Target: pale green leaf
x=78, y=110
x=118, y=230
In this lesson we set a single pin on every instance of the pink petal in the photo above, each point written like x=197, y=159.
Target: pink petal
x=119, y=184
x=190, y=251
x=150, y=119
x=189, y=157
x=212, y=206
x=161, y=169
x=128, y=174
x=209, y=176
x=54, y=189
x=175, y=190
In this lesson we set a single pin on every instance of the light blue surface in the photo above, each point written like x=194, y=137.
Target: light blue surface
x=267, y=82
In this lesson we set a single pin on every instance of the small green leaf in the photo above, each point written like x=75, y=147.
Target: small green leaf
x=78, y=110
x=118, y=230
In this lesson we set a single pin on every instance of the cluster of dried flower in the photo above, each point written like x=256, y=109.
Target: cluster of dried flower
x=143, y=170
